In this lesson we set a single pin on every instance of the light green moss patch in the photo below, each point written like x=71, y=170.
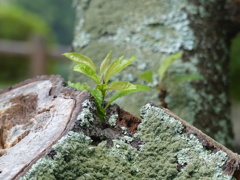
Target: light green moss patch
x=164, y=149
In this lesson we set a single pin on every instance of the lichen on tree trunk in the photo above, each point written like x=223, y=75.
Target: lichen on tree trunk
x=152, y=30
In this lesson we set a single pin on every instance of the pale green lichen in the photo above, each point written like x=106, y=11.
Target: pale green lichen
x=86, y=116
x=124, y=130
x=113, y=119
x=161, y=133
x=149, y=36
x=164, y=147
x=152, y=30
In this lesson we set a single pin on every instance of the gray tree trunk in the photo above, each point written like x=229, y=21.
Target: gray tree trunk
x=152, y=30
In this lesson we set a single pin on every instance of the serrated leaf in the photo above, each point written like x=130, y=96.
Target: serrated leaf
x=147, y=76
x=84, y=69
x=119, y=94
x=81, y=59
x=188, y=77
x=117, y=66
x=105, y=63
x=121, y=86
x=165, y=64
x=79, y=86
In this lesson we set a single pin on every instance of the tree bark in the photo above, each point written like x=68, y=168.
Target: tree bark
x=154, y=29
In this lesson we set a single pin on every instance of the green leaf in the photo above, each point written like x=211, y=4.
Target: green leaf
x=101, y=113
x=83, y=68
x=102, y=87
x=98, y=97
x=164, y=65
x=119, y=94
x=79, y=86
x=80, y=59
x=110, y=70
x=147, y=76
x=105, y=63
x=117, y=66
x=121, y=86
x=188, y=77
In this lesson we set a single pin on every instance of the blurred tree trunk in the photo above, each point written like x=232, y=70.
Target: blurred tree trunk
x=153, y=30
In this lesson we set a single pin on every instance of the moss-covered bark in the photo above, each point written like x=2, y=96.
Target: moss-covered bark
x=152, y=30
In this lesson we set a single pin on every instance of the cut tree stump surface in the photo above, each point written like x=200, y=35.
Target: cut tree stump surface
x=34, y=115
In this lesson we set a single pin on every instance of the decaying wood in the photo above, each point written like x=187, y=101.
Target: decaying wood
x=34, y=115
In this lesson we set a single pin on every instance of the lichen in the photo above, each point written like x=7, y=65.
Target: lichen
x=152, y=30
x=112, y=119
x=150, y=37
x=86, y=116
x=163, y=151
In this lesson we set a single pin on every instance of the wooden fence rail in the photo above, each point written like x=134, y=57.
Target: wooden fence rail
x=37, y=51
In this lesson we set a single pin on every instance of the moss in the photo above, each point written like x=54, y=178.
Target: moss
x=165, y=149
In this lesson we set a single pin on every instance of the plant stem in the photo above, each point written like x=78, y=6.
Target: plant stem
x=162, y=95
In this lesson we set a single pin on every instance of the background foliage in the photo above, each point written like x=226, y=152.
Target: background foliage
x=235, y=68
x=58, y=14
x=19, y=19
x=15, y=26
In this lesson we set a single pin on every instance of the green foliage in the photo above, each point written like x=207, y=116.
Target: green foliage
x=164, y=66
x=86, y=66
x=18, y=24
x=188, y=77
x=235, y=68
x=147, y=76
x=58, y=14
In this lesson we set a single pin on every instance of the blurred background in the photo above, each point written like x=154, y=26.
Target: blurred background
x=32, y=38
x=33, y=35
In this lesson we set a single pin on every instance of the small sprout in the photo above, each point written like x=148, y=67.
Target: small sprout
x=163, y=67
x=147, y=76
x=165, y=64
x=102, y=77
x=188, y=77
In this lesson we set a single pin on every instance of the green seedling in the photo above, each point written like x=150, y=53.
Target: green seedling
x=163, y=68
x=101, y=77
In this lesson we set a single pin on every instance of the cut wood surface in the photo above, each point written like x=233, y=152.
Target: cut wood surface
x=34, y=115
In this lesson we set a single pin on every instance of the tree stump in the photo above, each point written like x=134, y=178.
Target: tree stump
x=34, y=115
x=51, y=131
